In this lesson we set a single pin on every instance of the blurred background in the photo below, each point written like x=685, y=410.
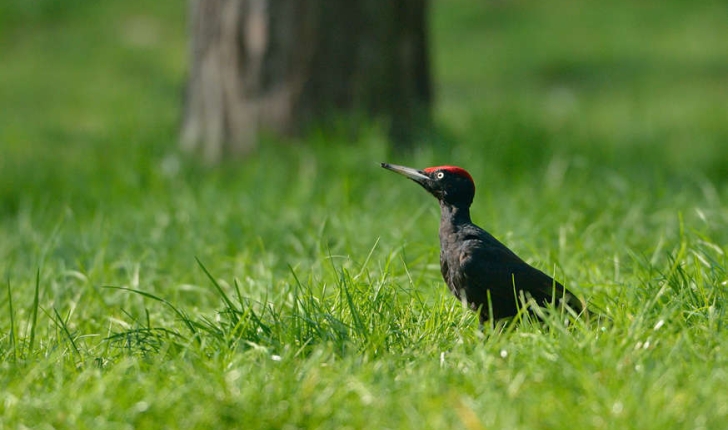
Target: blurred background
x=92, y=97
x=138, y=136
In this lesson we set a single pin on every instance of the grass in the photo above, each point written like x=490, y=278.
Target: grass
x=300, y=287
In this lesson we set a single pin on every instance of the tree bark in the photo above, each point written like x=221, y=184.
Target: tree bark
x=281, y=65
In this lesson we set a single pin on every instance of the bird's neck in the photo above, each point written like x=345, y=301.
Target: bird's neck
x=451, y=215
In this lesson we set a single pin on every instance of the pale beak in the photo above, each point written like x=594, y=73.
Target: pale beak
x=414, y=174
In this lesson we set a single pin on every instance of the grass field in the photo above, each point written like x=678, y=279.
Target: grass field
x=300, y=288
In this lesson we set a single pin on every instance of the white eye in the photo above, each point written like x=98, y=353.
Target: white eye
x=440, y=175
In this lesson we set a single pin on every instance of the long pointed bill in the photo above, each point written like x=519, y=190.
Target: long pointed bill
x=409, y=172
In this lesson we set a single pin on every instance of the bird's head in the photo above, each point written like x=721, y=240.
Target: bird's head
x=449, y=184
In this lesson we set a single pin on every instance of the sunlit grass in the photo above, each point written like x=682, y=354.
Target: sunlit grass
x=301, y=288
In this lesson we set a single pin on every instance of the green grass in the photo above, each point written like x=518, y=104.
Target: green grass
x=300, y=288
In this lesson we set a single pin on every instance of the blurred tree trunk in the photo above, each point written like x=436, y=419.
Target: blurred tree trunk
x=279, y=65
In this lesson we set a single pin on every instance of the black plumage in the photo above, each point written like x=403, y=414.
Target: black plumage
x=477, y=267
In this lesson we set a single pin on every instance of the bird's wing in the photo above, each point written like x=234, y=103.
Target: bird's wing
x=490, y=265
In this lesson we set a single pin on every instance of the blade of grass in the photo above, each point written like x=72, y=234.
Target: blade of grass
x=217, y=286
x=355, y=316
x=63, y=325
x=34, y=312
x=366, y=260
x=295, y=311
x=13, y=341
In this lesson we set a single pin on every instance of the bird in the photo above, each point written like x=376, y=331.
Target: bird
x=478, y=269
